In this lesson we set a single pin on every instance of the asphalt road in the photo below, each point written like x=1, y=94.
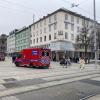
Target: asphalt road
x=71, y=91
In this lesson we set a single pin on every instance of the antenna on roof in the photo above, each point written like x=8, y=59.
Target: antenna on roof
x=33, y=17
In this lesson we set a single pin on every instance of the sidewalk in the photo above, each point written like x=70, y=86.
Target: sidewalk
x=56, y=65
x=73, y=66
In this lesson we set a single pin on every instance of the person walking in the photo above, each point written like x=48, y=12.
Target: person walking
x=13, y=58
x=82, y=63
x=62, y=62
x=68, y=61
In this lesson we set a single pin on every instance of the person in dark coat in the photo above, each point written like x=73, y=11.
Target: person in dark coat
x=13, y=58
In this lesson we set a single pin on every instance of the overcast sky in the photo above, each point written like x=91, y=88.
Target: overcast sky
x=18, y=13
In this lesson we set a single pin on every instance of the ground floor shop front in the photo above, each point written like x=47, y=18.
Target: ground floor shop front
x=58, y=55
x=60, y=49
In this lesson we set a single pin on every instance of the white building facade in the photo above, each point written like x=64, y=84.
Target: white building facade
x=11, y=43
x=57, y=31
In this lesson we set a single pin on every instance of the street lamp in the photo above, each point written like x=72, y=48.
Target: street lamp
x=95, y=39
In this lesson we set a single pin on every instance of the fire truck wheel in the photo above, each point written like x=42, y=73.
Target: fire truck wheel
x=46, y=67
x=17, y=64
x=31, y=65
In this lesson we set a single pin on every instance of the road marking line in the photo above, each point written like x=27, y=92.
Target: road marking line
x=2, y=87
x=2, y=81
x=95, y=79
x=9, y=98
x=66, y=76
x=43, y=85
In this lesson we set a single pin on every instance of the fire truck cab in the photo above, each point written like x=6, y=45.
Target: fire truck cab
x=37, y=57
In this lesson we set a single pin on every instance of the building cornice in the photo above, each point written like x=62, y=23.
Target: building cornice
x=66, y=11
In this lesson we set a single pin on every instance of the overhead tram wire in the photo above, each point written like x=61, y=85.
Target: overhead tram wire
x=14, y=9
x=86, y=11
x=18, y=4
x=30, y=9
x=27, y=9
x=84, y=1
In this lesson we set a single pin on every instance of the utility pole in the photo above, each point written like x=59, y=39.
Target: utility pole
x=95, y=35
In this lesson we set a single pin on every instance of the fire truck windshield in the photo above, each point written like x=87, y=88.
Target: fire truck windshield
x=45, y=53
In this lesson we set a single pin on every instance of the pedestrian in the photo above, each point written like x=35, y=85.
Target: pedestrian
x=62, y=62
x=82, y=63
x=77, y=59
x=68, y=61
x=13, y=58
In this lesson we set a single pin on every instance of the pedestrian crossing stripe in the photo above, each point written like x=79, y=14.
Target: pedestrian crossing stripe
x=9, y=98
x=96, y=79
x=2, y=87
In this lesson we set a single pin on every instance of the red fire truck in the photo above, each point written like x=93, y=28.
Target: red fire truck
x=37, y=57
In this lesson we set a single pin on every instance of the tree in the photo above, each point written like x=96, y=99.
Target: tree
x=84, y=39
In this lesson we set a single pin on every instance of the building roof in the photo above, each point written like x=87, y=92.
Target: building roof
x=22, y=29
x=3, y=36
x=13, y=32
x=63, y=10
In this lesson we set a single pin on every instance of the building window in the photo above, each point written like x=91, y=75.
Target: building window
x=44, y=38
x=66, y=35
x=33, y=34
x=72, y=27
x=49, y=28
x=72, y=18
x=50, y=19
x=77, y=20
x=66, y=16
x=40, y=39
x=55, y=17
x=45, y=22
x=55, y=36
x=34, y=27
x=87, y=23
x=50, y=37
x=72, y=36
x=40, y=31
x=37, y=25
x=37, y=32
x=66, y=25
x=82, y=21
x=44, y=30
x=34, y=41
x=21, y=36
x=37, y=40
x=40, y=23
x=78, y=29
x=55, y=26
